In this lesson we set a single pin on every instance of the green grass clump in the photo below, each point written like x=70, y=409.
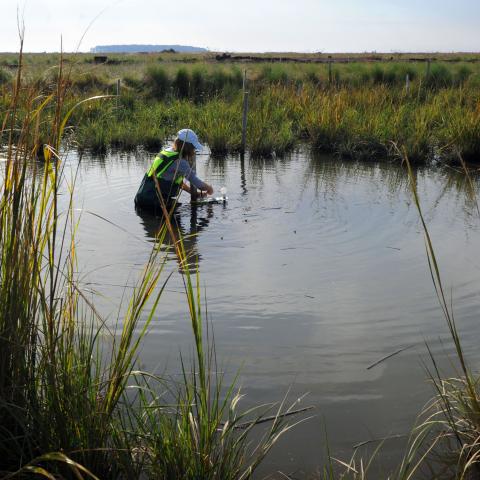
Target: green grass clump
x=440, y=76
x=90, y=83
x=98, y=136
x=198, y=83
x=133, y=82
x=382, y=75
x=157, y=82
x=274, y=74
x=462, y=75
x=181, y=83
x=459, y=131
x=218, y=123
x=270, y=127
x=224, y=82
x=312, y=77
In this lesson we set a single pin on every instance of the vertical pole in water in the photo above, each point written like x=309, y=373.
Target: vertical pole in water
x=407, y=83
x=245, y=112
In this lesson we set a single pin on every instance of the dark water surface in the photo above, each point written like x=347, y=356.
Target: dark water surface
x=312, y=271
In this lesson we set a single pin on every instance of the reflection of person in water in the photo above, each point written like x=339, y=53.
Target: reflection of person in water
x=168, y=173
x=153, y=225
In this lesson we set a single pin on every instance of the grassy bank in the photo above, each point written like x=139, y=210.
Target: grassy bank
x=356, y=110
x=358, y=123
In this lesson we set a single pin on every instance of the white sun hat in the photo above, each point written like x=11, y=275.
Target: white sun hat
x=189, y=136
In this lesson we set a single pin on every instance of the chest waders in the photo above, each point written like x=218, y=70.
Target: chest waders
x=147, y=195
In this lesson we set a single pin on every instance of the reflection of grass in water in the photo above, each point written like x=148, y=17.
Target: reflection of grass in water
x=328, y=172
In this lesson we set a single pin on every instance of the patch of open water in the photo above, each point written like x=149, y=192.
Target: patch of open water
x=313, y=270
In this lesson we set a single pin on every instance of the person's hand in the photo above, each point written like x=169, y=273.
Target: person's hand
x=209, y=190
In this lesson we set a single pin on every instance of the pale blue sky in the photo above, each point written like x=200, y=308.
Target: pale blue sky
x=247, y=25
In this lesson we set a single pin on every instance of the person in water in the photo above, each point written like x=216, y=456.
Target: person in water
x=172, y=167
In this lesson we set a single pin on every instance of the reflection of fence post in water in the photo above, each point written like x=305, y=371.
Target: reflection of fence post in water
x=245, y=112
x=243, y=180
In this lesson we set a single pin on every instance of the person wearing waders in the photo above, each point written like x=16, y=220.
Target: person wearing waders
x=172, y=167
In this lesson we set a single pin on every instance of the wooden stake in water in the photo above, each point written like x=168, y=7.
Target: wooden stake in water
x=407, y=83
x=245, y=112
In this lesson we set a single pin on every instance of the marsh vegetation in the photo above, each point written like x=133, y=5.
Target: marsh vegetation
x=355, y=110
x=74, y=398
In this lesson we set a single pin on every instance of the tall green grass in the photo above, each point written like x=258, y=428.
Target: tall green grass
x=59, y=392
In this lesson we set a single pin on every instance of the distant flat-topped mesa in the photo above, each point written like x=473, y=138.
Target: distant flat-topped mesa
x=146, y=48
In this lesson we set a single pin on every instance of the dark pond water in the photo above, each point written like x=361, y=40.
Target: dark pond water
x=313, y=270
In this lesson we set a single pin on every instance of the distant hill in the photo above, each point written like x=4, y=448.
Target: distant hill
x=145, y=48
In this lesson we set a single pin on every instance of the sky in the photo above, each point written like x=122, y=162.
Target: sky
x=245, y=25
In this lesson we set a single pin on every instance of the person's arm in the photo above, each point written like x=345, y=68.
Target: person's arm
x=195, y=182
x=206, y=190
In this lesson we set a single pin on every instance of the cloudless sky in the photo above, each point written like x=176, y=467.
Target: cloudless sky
x=246, y=25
